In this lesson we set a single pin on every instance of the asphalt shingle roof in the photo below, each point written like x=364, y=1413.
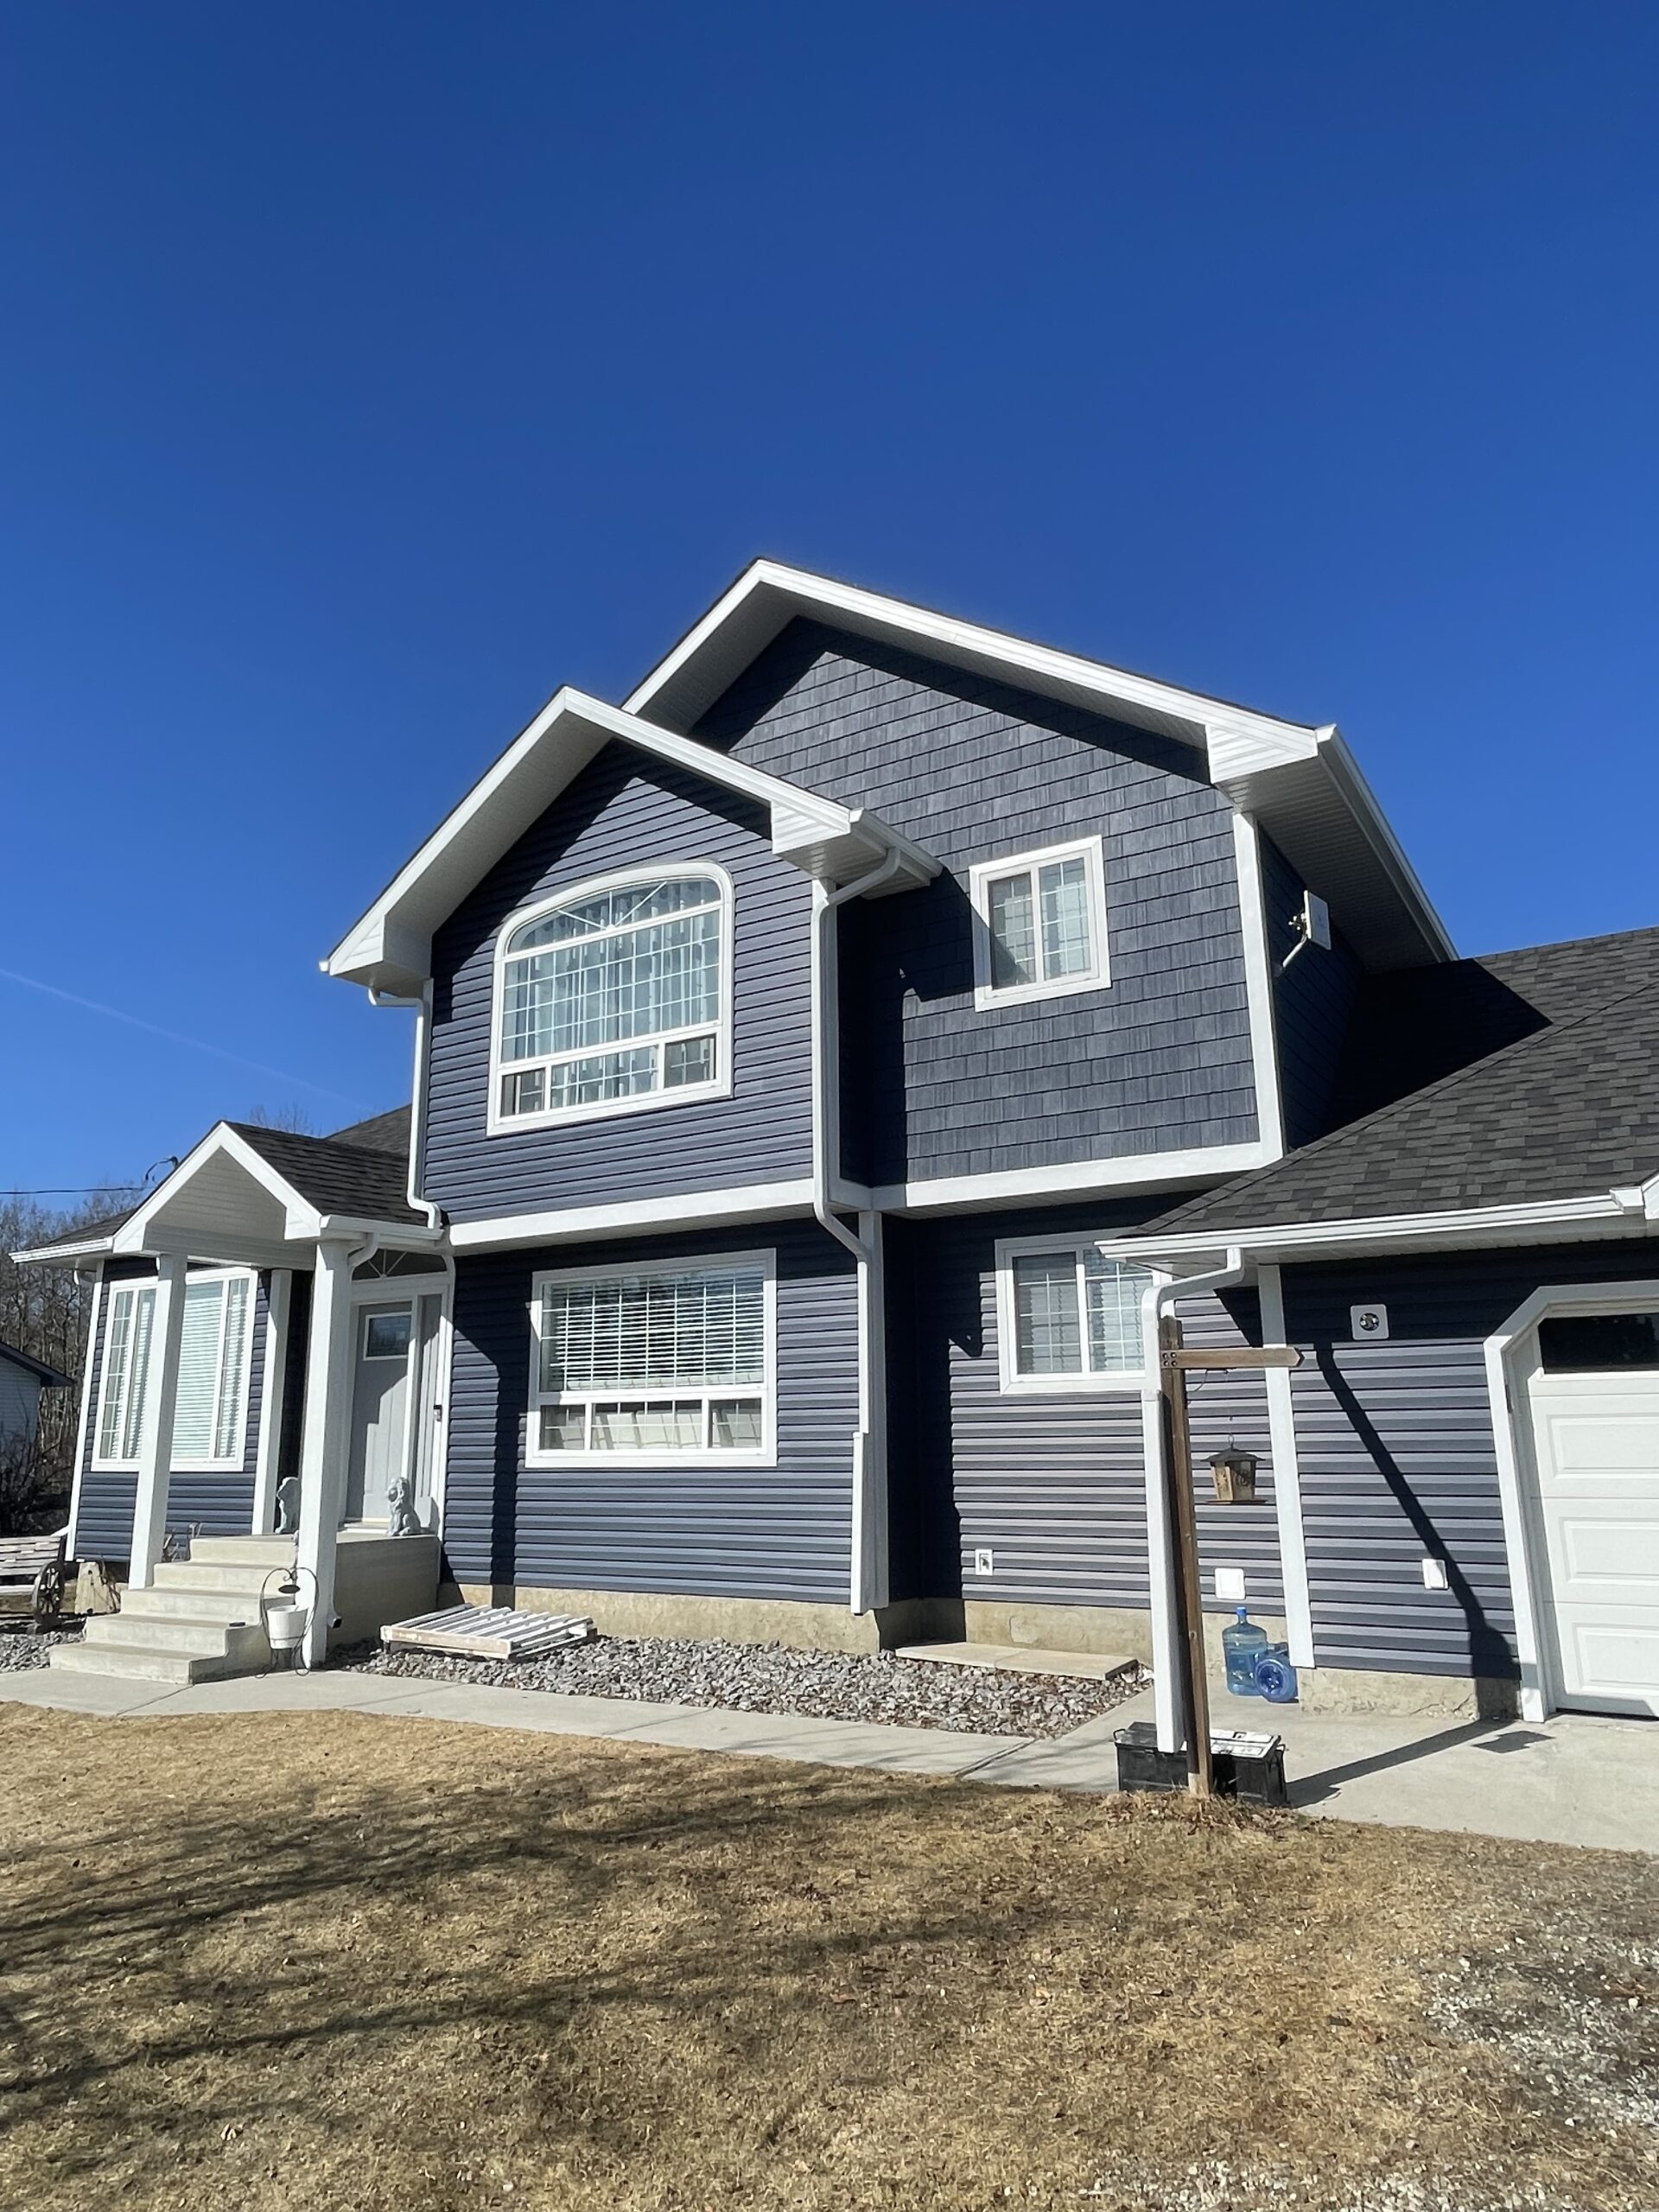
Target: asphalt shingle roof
x=89, y=1232
x=1567, y=1107
x=367, y=1180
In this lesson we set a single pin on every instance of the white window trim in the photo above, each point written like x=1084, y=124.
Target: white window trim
x=232, y=1464
x=765, y=1455
x=1010, y=1381
x=500, y=1124
x=983, y=873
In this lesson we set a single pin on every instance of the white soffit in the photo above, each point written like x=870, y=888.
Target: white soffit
x=390, y=948
x=1301, y=782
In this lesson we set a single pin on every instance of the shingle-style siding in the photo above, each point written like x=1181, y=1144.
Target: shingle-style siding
x=623, y=811
x=1313, y=1002
x=216, y=1504
x=1158, y=1061
x=1053, y=1482
x=1395, y=1445
x=772, y=1532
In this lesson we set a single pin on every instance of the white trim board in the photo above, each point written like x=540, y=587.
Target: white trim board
x=632, y=1217
x=84, y=1432
x=1507, y=1393
x=1608, y=1213
x=1287, y=1476
x=1260, y=996
x=1077, y=1178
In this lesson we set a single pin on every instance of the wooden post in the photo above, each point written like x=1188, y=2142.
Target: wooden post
x=1177, y=1456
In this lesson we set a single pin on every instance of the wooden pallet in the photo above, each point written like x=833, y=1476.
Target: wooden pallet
x=490, y=1632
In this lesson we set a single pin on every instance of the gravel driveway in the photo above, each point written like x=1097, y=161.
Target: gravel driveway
x=773, y=1678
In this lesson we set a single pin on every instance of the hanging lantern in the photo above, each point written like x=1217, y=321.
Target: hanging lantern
x=1234, y=1474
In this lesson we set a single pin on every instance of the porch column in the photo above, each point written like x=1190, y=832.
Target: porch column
x=278, y=1299
x=155, y=1446
x=324, y=1438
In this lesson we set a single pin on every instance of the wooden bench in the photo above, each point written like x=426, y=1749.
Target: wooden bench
x=35, y=1564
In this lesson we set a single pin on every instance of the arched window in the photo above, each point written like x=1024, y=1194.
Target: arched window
x=614, y=998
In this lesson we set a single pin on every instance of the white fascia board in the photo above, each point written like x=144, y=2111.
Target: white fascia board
x=1078, y=1178
x=390, y=948
x=687, y=1209
x=768, y=595
x=46, y=1255
x=1345, y=773
x=1600, y=1214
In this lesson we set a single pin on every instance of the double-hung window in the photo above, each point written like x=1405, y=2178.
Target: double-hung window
x=613, y=998
x=1069, y=1318
x=210, y=1405
x=1040, y=924
x=665, y=1362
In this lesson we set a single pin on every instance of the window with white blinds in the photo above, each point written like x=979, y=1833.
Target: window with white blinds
x=660, y=1362
x=1069, y=1317
x=613, y=999
x=1040, y=924
x=211, y=1404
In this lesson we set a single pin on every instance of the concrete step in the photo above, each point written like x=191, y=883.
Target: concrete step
x=237, y=1640
x=176, y=1668
x=239, y=1581
x=171, y=1602
x=263, y=1552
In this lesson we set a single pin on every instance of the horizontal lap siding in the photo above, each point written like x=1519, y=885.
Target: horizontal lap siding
x=775, y=1532
x=216, y=1504
x=1395, y=1449
x=621, y=812
x=1228, y=1408
x=1158, y=1061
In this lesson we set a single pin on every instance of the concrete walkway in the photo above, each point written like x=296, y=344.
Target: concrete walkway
x=1572, y=1780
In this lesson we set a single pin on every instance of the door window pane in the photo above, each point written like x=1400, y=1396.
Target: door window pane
x=386, y=1336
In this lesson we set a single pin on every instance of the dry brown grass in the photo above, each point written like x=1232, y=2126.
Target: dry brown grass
x=332, y=1960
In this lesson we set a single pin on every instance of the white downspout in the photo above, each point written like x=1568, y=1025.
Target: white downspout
x=1163, y=1568
x=869, y=1487
x=423, y=1006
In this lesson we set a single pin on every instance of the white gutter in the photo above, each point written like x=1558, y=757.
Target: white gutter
x=1163, y=1567
x=868, y=1576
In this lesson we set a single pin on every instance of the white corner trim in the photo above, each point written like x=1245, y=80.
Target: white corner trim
x=1080, y=1179
x=84, y=1433
x=688, y=1209
x=499, y=1123
x=1258, y=983
x=1287, y=1476
x=1506, y=1387
x=982, y=874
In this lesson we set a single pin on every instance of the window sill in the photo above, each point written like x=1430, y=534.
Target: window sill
x=988, y=996
x=1073, y=1386
x=550, y=1462
x=610, y=1109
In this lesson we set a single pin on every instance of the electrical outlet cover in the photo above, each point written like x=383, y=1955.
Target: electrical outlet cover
x=1229, y=1583
x=982, y=1564
x=1434, y=1574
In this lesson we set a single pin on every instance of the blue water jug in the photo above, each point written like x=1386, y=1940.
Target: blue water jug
x=1276, y=1678
x=1242, y=1645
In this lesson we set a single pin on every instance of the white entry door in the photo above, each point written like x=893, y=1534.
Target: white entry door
x=380, y=1404
x=1595, y=1426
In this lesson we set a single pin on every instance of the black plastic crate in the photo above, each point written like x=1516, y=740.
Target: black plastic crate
x=1251, y=1768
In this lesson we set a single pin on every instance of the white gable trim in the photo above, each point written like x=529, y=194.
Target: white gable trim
x=390, y=948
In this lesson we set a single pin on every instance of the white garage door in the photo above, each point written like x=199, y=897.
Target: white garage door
x=1595, y=1424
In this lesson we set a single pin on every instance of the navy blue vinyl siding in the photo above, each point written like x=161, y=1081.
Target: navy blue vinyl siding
x=1158, y=1061
x=216, y=1504
x=772, y=1532
x=1053, y=1482
x=622, y=811
x=1395, y=1445
x=1313, y=1003
x=298, y=1340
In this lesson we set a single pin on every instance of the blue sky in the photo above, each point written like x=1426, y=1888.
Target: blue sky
x=366, y=371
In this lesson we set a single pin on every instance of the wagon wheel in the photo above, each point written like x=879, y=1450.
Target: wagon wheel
x=48, y=1592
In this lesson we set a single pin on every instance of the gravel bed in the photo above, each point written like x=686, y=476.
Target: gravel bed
x=773, y=1678
x=21, y=1649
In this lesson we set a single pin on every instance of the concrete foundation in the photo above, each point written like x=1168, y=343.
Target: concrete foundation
x=380, y=1579
x=738, y=1620
x=1429, y=1697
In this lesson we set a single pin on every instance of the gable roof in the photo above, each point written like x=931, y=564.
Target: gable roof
x=390, y=947
x=1563, y=1116
x=50, y=1378
x=1298, y=779
x=85, y=1242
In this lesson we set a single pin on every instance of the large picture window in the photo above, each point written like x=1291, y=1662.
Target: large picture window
x=656, y=1363
x=1039, y=925
x=614, y=999
x=1069, y=1318
x=210, y=1407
